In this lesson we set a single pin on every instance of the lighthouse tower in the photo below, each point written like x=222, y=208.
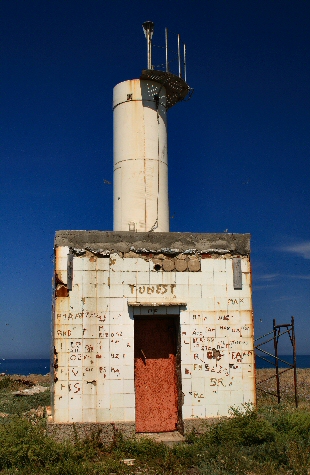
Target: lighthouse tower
x=140, y=143
x=152, y=330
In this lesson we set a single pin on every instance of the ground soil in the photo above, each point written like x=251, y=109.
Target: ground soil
x=32, y=379
x=266, y=381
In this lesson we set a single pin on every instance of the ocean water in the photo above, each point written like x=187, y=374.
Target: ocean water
x=42, y=366
x=303, y=361
x=25, y=367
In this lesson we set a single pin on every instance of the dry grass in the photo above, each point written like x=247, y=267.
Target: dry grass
x=286, y=387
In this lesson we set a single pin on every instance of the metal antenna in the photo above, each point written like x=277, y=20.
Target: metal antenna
x=167, y=62
x=148, y=28
x=179, y=56
x=172, y=74
x=184, y=62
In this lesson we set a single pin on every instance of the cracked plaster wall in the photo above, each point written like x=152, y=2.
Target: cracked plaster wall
x=116, y=276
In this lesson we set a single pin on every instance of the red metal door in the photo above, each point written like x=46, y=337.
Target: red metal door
x=155, y=374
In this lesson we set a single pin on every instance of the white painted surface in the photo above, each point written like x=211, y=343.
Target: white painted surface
x=140, y=157
x=94, y=336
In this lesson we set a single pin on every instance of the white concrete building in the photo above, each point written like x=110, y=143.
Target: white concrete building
x=198, y=286
x=152, y=330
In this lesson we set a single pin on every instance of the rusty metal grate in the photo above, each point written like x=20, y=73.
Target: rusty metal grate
x=176, y=88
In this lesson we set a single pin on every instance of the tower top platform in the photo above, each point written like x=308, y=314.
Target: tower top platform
x=176, y=87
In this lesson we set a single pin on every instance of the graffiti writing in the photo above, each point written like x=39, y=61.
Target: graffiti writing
x=159, y=289
x=235, y=301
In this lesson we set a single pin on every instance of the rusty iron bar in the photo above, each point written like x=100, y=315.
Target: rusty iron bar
x=286, y=369
x=270, y=377
x=283, y=333
x=269, y=354
x=267, y=392
x=265, y=359
x=294, y=360
x=283, y=325
x=271, y=339
x=275, y=344
x=263, y=336
x=264, y=342
x=290, y=329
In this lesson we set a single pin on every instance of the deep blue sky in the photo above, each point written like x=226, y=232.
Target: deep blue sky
x=238, y=151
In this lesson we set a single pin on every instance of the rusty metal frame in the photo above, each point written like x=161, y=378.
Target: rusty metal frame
x=277, y=331
x=176, y=88
x=175, y=83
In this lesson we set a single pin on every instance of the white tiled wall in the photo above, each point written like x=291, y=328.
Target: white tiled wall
x=94, y=335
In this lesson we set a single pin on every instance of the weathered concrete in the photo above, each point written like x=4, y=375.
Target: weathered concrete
x=168, y=438
x=107, y=431
x=198, y=425
x=106, y=281
x=172, y=243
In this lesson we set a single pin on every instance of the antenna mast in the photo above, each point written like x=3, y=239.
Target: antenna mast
x=148, y=28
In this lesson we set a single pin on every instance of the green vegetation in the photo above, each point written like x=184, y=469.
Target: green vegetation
x=274, y=439
x=11, y=404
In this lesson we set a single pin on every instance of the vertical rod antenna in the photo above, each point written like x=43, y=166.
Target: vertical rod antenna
x=167, y=61
x=184, y=62
x=179, y=57
x=149, y=52
x=148, y=28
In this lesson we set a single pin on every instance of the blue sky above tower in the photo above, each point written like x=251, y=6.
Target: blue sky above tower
x=238, y=150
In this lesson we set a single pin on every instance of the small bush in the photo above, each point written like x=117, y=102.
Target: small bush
x=11, y=404
x=243, y=429
x=143, y=447
x=268, y=441
x=8, y=383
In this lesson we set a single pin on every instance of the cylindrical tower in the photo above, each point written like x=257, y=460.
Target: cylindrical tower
x=140, y=143
x=140, y=157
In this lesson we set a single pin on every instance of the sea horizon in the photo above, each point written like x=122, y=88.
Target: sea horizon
x=26, y=366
